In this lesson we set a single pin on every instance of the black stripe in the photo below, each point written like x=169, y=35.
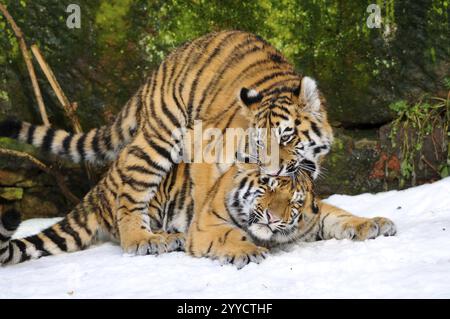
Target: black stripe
x=253, y=66
x=209, y=247
x=118, y=129
x=134, y=183
x=160, y=150
x=131, y=199
x=322, y=224
x=140, y=169
x=80, y=146
x=48, y=140
x=316, y=129
x=96, y=144
x=193, y=89
x=10, y=128
x=3, y=250
x=30, y=135
x=170, y=115
x=218, y=216
x=272, y=76
x=67, y=228
x=111, y=179
x=135, y=209
x=226, y=235
x=80, y=218
x=152, y=107
x=274, y=113
x=107, y=140
x=55, y=238
x=282, y=107
x=171, y=82
x=231, y=59
x=165, y=110
x=280, y=87
x=38, y=244
x=306, y=134
x=66, y=144
x=11, y=253
x=23, y=250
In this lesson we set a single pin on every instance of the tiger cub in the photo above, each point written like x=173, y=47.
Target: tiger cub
x=246, y=214
x=243, y=215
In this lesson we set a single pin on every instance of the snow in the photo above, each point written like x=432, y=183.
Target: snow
x=413, y=264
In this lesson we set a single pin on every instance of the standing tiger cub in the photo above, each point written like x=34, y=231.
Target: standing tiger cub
x=229, y=79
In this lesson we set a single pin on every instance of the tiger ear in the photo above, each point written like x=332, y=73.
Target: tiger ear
x=250, y=96
x=309, y=94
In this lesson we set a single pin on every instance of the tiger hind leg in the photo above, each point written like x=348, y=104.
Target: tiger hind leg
x=141, y=167
x=158, y=243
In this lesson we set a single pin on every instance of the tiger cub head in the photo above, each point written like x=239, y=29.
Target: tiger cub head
x=272, y=210
x=297, y=121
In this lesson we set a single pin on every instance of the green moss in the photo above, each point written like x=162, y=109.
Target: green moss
x=11, y=144
x=11, y=193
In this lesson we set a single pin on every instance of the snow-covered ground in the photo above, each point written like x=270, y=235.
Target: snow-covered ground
x=413, y=264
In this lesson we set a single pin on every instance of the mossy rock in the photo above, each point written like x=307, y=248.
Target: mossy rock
x=11, y=193
x=10, y=178
x=39, y=202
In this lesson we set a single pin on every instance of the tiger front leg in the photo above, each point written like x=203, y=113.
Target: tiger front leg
x=340, y=224
x=223, y=242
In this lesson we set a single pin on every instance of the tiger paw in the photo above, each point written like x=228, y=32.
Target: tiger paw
x=175, y=242
x=243, y=255
x=386, y=227
x=148, y=244
x=359, y=229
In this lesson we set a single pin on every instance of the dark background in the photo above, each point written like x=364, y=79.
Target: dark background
x=370, y=78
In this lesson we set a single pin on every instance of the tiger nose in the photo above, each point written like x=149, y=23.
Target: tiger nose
x=270, y=217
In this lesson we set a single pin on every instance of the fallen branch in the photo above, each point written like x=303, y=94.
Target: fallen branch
x=26, y=55
x=58, y=177
x=69, y=108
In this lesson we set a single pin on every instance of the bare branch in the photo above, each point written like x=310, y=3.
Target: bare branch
x=65, y=103
x=69, y=108
x=28, y=62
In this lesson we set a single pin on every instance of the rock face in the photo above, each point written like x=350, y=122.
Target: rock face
x=366, y=161
x=427, y=160
x=348, y=167
x=30, y=190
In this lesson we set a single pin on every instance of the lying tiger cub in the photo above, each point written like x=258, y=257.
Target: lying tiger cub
x=244, y=215
x=248, y=214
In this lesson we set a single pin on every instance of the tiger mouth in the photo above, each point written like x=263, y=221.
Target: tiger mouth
x=292, y=170
x=264, y=225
